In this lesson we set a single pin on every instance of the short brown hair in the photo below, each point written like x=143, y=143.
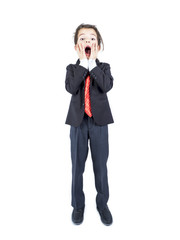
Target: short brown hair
x=99, y=38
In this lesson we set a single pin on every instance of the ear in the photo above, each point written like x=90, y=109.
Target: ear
x=99, y=48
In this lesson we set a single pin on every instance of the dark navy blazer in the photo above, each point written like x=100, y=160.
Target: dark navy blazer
x=101, y=82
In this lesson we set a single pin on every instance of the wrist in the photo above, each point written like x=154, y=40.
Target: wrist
x=92, y=64
x=82, y=58
x=84, y=63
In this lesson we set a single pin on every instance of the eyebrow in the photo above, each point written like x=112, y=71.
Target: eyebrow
x=85, y=34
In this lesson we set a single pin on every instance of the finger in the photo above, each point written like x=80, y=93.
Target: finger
x=81, y=47
x=77, y=49
x=95, y=47
x=91, y=49
x=83, y=50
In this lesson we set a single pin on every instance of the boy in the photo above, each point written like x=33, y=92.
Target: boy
x=89, y=113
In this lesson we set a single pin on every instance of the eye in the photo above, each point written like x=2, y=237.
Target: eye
x=81, y=39
x=93, y=39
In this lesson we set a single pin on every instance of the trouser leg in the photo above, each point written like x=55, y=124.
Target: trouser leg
x=79, y=151
x=99, y=152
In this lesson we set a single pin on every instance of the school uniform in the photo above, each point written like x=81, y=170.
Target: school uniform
x=86, y=129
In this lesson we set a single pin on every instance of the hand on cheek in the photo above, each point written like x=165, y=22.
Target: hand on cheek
x=80, y=51
x=94, y=51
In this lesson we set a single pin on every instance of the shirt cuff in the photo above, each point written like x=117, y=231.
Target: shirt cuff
x=92, y=64
x=84, y=63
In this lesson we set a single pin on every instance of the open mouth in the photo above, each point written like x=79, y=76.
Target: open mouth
x=88, y=50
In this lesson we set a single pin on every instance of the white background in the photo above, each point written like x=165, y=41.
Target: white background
x=142, y=45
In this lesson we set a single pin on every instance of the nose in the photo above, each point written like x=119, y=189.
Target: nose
x=87, y=41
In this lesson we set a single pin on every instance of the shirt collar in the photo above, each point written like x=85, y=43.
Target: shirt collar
x=97, y=62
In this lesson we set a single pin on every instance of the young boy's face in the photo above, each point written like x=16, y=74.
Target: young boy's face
x=87, y=39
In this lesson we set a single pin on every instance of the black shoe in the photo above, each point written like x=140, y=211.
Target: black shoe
x=106, y=216
x=78, y=216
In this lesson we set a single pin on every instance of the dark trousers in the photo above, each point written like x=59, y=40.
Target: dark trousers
x=97, y=136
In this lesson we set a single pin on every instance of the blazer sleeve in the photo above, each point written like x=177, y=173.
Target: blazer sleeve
x=103, y=77
x=75, y=75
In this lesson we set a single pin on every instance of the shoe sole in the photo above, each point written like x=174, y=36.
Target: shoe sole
x=78, y=223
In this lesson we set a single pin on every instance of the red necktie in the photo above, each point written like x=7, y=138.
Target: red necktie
x=87, y=97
